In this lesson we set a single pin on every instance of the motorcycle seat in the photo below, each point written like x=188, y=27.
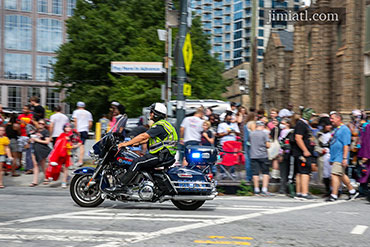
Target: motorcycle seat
x=165, y=164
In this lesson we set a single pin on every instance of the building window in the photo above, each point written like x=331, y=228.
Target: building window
x=238, y=6
x=57, y=7
x=227, y=55
x=71, y=5
x=42, y=6
x=238, y=25
x=217, y=40
x=238, y=53
x=260, y=52
x=18, y=66
x=309, y=45
x=339, y=35
x=218, y=22
x=261, y=23
x=227, y=27
x=18, y=32
x=227, y=46
x=11, y=4
x=44, y=65
x=262, y=3
x=14, y=98
x=238, y=16
x=237, y=62
x=49, y=35
x=26, y=5
x=237, y=35
x=260, y=42
x=261, y=13
x=261, y=32
x=237, y=44
x=52, y=98
x=217, y=49
x=33, y=91
x=227, y=36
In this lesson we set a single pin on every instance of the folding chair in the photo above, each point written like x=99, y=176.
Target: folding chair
x=231, y=155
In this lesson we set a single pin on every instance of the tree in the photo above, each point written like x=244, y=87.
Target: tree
x=102, y=31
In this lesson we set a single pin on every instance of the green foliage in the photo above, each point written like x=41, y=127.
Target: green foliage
x=102, y=31
x=245, y=189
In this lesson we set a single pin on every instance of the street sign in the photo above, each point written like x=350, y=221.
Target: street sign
x=187, y=52
x=187, y=89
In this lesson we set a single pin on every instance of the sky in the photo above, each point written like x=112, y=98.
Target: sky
x=307, y=2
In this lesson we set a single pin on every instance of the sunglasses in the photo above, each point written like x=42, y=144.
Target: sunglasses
x=42, y=123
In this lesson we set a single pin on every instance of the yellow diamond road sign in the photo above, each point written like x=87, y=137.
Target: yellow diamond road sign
x=187, y=89
x=187, y=52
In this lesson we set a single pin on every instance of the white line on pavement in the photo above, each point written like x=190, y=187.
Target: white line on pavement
x=66, y=231
x=126, y=218
x=262, y=199
x=359, y=229
x=243, y=208
x=46, y=217
x=155, y=215
x=225, y=220
x=65, y=238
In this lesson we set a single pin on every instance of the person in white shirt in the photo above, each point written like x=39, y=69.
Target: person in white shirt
x=83, y=122
x=190, y=130
x=286, y=112
x=228, y=130
x=57, y=121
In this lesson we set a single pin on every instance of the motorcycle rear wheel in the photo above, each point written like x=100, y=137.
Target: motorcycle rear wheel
x=188, y=205
x=91, y=197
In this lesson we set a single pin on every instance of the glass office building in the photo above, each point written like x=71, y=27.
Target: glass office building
x=233, y=24
x=31, y=32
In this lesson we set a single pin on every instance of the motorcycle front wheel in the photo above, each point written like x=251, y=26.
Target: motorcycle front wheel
x=91, y=197
x=188, y=205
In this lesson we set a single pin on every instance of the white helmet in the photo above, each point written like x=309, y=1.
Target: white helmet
x=159, y=110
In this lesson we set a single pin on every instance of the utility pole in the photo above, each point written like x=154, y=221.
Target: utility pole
x=168, y=47
x=181, y=74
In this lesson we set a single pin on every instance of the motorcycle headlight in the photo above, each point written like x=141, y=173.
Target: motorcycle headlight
x=93, y=155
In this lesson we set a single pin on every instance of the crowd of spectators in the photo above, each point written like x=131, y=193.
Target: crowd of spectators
x=289, y=148
x=282, y=147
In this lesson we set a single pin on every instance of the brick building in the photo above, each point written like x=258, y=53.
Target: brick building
x=276, y=69
x=328, y=69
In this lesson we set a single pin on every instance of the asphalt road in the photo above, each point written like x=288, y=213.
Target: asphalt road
x=45, y=216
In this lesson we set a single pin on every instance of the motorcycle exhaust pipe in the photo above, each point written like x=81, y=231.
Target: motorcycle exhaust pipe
x=191, y=197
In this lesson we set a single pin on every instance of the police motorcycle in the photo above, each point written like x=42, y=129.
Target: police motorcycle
x=188, y=188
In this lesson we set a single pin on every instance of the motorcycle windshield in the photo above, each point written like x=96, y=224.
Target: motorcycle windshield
x=118, y=127
x=120, y=124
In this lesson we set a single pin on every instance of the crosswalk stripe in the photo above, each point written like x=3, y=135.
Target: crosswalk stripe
x=154, y=215
x=359, y=229
x=62, y=238
x=128, y=218
x=68, y=231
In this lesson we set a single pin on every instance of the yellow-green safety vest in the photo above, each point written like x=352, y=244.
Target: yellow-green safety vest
x=170, y=142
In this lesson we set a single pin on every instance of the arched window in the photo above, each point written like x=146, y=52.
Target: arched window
x=339, y=35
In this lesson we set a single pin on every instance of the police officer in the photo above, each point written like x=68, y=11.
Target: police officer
x=162, y=139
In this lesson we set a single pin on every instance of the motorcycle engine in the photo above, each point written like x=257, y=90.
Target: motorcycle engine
x=146, y=190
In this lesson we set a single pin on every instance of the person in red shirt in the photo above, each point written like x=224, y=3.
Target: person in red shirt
x=25, y=118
